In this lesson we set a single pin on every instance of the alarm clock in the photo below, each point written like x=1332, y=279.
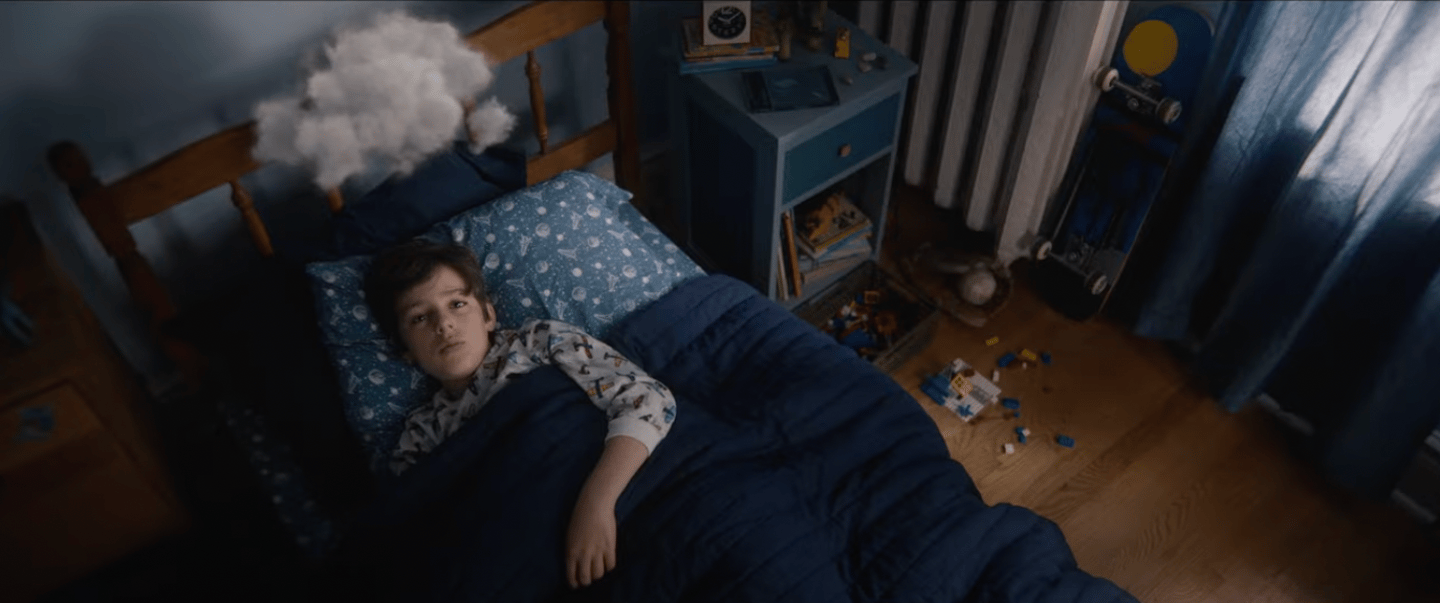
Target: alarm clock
x=725, y=22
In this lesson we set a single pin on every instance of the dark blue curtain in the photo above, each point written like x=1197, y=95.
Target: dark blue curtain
x=1306, y=262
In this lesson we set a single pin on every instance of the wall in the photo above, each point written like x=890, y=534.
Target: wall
x=132, y=81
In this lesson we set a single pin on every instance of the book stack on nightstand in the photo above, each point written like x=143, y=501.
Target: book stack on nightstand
x=831, y=237
x=747, y=182
x=697, y=57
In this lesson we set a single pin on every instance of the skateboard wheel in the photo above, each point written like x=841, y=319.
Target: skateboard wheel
x=1097, y=283
x=1168, y=110
x=1106, y=77
x=1042, y=250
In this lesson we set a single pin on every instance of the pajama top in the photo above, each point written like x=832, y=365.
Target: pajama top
x=636, y=404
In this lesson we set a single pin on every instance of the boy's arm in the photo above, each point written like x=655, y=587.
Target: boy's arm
x=590, y=543
x=638, y=405
x=640, y=409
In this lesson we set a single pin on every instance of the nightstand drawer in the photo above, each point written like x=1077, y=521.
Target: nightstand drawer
x=71, y=500
x=839, y=148
x=72, y=511
x=43, y=424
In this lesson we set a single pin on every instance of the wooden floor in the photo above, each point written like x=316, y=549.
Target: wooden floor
x=1164, y=493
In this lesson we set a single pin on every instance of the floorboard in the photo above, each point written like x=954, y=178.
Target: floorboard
x=1165, y=493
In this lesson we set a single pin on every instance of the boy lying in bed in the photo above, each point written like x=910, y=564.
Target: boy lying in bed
x=430, y=298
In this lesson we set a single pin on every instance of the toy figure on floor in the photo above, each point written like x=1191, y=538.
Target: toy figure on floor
x=430, y=298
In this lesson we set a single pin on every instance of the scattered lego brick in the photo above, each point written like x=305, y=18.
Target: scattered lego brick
x=1005, y=360
x=992, y=341
x=960, y=385
x=958, y=388
x=939, y=382
x=1029, y=355
x=1009, y=448
x=1045, y=358
x=1015, y=415
x=1021, y=433
x=1010, y=403
x=995, y=376
x=938, y=396
x=1065, y=441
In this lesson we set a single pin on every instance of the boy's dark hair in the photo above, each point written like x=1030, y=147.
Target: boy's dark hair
x=401, y=267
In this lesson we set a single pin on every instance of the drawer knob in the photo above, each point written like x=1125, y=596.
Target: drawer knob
x=844, y=150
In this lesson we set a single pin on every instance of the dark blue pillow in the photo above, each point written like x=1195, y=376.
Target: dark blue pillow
x=404, y=206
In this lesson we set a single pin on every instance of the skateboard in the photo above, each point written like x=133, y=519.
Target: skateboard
x=1123, y=157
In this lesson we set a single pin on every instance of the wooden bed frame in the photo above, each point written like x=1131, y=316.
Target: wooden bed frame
x=221, y=159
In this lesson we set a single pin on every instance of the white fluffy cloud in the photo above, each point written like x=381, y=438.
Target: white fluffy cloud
x=388, y=96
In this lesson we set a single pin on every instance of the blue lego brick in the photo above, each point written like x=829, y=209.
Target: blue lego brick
x=964, y=411
x=1005, y=360
x=939, y=383
x=1010, y=403
x=1045, y=357
x=1065, y=441
x=858, y=339
x=1017, y=414
x=1020, y=433
x=937, y=396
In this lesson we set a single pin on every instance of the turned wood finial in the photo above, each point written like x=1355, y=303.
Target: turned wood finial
x=337, y=202
x=468, y=108
x=246, y=204
x=537, y=101
x=69, y=163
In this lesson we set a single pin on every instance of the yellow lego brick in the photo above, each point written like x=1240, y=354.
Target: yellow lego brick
x=960, y=385
x=1029, y=355
x=993, y=340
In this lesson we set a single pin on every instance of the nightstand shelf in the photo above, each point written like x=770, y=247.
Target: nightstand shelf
x=738, y=172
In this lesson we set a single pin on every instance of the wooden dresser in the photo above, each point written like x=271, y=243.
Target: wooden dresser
x=82, y=482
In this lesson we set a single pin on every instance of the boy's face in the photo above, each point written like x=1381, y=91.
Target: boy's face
x=445, y=329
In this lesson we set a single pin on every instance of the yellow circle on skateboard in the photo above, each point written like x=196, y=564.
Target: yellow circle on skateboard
x=1150, y=47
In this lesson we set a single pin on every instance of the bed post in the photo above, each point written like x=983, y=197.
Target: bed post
x=622, y=101
x=68, y=162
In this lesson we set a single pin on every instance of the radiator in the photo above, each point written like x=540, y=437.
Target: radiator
x=1003, y=91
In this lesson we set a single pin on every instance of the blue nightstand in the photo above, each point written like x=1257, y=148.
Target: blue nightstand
x=738, y=172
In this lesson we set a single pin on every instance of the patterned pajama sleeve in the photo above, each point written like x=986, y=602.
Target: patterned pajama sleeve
x=637, y=404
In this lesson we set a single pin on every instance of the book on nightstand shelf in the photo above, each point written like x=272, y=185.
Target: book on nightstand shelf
x=792, y=255
x=782, y=292
x=829, y=221
x=837, y=237
x=857, y=246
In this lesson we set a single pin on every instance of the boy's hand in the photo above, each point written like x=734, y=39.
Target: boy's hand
x=590, y=544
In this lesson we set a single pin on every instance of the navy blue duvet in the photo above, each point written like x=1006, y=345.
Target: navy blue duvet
x=795, y=471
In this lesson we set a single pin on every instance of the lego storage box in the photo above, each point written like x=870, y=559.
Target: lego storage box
x=896, y=323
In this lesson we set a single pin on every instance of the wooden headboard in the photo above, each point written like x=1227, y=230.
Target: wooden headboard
x=222, y=158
